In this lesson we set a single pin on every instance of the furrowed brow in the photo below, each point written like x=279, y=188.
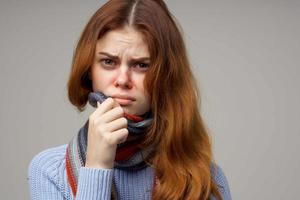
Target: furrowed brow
x=109, y=55
x=133, y=60
x=142, y=59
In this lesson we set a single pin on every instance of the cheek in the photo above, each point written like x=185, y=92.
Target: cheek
x=101, y=80
x=142, y=91
x=146, y=104
x=139, y=81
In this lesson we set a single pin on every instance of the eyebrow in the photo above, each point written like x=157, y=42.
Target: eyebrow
x=132, y=60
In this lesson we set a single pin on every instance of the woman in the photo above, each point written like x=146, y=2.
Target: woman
x=146, y=138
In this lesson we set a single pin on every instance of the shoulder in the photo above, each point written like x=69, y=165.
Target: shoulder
x=49, y=164
x=220, y=179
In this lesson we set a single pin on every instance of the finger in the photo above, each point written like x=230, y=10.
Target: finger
x=116, y=104
x=106, y=105
x=120, y=135
x=112, y=114
x=117, y=124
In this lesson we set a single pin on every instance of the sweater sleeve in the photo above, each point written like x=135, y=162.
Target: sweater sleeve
x=48, y=181
x=222, y=182
x=94, y=184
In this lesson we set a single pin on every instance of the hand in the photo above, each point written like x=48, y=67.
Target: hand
x=107, y=128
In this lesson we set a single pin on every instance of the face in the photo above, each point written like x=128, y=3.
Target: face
x=119, y=68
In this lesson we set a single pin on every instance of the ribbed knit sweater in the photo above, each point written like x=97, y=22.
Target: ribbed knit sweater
x=48, y=180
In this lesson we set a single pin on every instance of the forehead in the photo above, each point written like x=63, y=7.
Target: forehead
x=123, y=40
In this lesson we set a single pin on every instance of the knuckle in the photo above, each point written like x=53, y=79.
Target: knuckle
x=109, y=100
x=125, y=130
x=120, y=109
x=124, y=120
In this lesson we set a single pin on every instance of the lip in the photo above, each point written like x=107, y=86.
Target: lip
x=125, y=97
x=123, y=100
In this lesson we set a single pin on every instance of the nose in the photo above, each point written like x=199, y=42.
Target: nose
x=123, y=79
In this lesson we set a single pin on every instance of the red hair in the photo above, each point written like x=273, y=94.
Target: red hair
x=178, y=131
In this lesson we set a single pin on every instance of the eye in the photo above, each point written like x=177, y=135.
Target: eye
x=107, y=61
x=142, y=66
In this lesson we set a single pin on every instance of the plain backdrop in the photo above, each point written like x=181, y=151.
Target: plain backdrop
x=245, y=55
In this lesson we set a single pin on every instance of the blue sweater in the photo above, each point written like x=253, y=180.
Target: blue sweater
x=48, y=181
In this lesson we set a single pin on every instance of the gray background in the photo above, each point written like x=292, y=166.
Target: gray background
x=245, y=55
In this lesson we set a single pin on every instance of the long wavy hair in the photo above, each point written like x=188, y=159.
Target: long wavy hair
x=183, y=164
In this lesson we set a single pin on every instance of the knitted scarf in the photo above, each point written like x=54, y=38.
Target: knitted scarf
x=128, y=154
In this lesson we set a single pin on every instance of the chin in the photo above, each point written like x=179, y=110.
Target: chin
x=127, y=110
x=130, y=111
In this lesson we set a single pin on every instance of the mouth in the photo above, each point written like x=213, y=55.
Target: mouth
x=123, y=102
x=123, y=99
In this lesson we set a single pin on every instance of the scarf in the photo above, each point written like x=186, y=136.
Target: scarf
x=128, y=154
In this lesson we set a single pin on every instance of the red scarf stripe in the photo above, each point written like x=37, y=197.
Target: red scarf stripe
x=70, y=176
x=124, y=154
x=134, y=118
